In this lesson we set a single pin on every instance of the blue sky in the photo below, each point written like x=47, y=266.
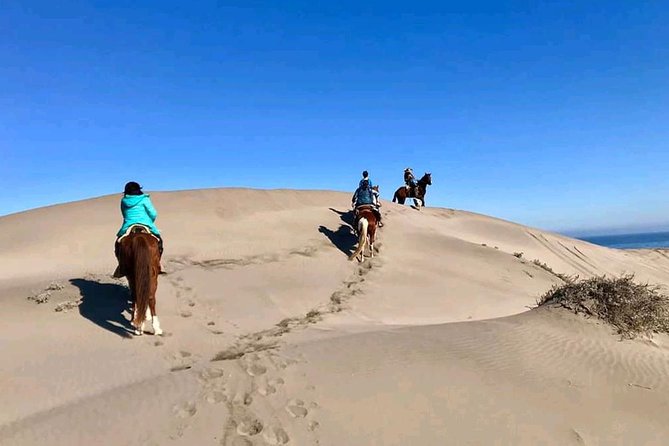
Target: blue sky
x=552, y=114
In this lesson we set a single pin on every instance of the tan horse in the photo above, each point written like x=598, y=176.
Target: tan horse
x=140, y=258
x=366, y=232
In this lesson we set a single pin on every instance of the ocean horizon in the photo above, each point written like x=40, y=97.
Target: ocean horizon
x=631, y=241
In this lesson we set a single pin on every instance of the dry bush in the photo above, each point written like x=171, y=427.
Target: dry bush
x=632, y=308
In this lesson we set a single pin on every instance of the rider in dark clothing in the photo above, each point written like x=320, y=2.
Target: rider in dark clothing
x=409, y=178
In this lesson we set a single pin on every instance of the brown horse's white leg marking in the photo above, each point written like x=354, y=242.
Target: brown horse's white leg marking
x=156, y=326
x=363, y=224
x=138, y=330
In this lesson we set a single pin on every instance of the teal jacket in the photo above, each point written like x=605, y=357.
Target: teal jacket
x=138, y=209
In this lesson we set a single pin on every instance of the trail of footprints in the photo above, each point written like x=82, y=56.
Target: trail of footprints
x=250, y=390
x=247, y=381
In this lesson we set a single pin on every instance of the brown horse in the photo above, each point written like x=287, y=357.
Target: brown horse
x=417, y=193
x=366, y=232
x=140, y=259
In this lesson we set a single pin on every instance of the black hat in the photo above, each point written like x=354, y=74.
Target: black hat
x=365, y=174
x=132, y=188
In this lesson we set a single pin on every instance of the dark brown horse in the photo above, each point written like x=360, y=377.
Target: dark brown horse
x=140, y=260
x=417, y=193
x=366, y=232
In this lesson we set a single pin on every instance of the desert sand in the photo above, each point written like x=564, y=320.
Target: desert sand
x=274, y=337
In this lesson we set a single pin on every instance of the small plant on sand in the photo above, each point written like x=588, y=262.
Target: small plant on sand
x=518, y=255
x=565, y=278
x=633, y=309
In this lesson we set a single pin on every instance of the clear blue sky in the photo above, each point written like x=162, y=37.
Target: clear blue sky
x=553, y=114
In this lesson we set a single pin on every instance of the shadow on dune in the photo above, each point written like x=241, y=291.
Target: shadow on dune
x=345, y=216
x=104, y=305
x=342, y=238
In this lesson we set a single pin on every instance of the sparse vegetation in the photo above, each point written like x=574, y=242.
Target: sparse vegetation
x=565, y=278
x=633, y=309
x=518, y=255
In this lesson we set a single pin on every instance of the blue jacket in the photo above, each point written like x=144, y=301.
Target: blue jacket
x=368, y=180
x=138, y=209
x=363, y=196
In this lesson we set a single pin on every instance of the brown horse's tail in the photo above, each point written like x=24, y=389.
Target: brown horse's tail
x=363, y=224
x=395, y=197
x=142, y=272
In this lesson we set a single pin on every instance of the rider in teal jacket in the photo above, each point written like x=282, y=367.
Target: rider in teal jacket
x=137, y=209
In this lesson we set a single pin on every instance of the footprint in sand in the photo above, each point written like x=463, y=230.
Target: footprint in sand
x=216, y=397
x=276, y=382
x=185, y=410
x=314, y=425
x=266, y=390
x=211, y=374
x=241, y=441
x=296, y=409
x=185, y=314
x=249, y=427
x=244, y=399
x=256, y=370
x=276, y=436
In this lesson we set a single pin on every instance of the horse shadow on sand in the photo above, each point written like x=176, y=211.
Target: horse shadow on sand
x=104, y=304
x=343, y=238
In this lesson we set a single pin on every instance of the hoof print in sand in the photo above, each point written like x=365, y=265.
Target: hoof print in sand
x=216, y=397
x=210, y=374
x=249, y=427
x=276, y=436
x=297, y=411
x=256, y=370
x=186, y=410
x=266, y=390
x=276, y=382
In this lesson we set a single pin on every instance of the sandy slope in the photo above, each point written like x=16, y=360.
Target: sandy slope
x=426, y=344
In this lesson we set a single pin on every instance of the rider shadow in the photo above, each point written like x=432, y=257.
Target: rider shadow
x=104, y=305
x=346, y=216
x=343, y=239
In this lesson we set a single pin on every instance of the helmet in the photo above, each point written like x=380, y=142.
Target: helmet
x=132, y=188
x=408, y=169
x=365, y=174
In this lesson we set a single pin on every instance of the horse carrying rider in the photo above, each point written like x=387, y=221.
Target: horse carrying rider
x=137, y=209
x=364, y=195
x=409, y=179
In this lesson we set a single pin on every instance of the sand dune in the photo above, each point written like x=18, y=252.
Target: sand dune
x=432, y=342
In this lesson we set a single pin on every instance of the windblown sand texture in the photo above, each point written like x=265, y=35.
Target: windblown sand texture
x=273, y=337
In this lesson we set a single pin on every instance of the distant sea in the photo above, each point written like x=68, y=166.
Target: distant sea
x=631, y=241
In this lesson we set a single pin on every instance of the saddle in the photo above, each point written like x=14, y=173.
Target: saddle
x=135, y=229
x=363, y=207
